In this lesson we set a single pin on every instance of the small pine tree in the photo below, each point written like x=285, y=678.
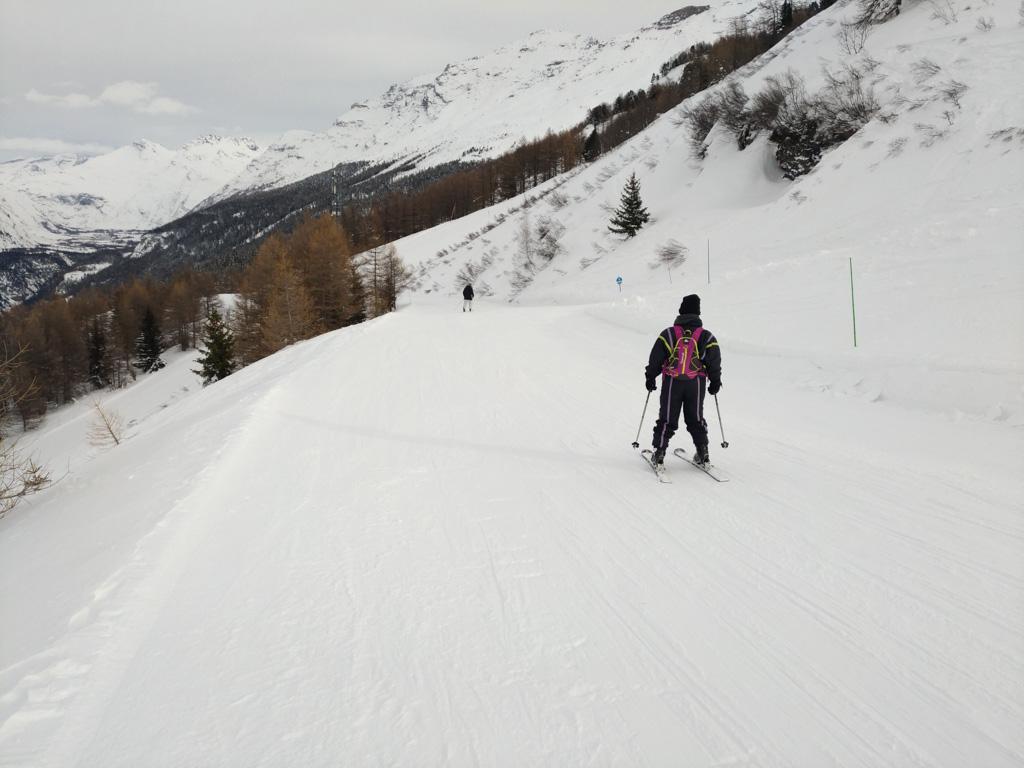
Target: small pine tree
x=631, y=214
x=217, y=360
x=150, y=344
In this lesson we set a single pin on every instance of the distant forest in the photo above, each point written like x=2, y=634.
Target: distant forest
x=304, y=268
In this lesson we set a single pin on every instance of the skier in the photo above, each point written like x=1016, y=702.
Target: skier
x=467, y=299
x=684, y=365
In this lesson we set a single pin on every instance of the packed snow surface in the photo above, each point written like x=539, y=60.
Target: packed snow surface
x=427, y=540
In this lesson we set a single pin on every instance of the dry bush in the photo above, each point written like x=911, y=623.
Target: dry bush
x=20, y=475
x=846, y=104
x=700, y=118
x=952, y=91
x=924, y=69
x=943, y=10
x=106, y=428
x=877, y=11
x=671, y=254
x=853, y=36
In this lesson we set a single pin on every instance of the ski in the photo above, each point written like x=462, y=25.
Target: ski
x=709, y=470
x=660, y=472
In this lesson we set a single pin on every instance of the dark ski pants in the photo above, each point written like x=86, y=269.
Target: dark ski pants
x=685, y=396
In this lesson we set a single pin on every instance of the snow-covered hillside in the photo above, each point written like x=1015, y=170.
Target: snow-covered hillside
x=928, y=188
x=482, y=107
x=426, y=540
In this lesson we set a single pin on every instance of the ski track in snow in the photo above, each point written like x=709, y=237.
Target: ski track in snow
x=463, y=565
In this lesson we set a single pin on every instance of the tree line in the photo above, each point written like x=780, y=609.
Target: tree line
x=299, y=285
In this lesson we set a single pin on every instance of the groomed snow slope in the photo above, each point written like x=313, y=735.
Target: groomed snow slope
x=323, y=561
x=426, y=540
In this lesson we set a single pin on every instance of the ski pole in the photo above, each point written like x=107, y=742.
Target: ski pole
x=725, y=444
x=636, y=443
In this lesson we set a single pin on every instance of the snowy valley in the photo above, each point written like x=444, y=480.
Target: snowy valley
x=427, y=540
x=66, y=212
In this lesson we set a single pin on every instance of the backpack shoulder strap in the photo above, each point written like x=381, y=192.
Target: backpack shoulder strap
x=670, y=337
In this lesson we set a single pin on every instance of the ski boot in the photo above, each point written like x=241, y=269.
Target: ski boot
x=701, y=456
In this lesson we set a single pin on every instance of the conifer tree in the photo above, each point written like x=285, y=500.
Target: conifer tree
x=150, y=344
x=320, y=251
x=392, y=277
x=291, y=316
x=247, y=331
x=217, y=360
x=97, y=351
x=592, y=146
x=631, y=214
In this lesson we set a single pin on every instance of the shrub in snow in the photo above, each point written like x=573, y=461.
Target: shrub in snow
x=671, y=254
x=852, y=37
x=943, y=10
x=877, y=11
x=700, y=118
x=20, y=475
x=548, y=233
x=800, y=126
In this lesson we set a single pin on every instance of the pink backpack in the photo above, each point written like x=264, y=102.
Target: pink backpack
x=684, y=360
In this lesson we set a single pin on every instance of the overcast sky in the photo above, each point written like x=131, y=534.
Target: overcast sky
x=93, y=75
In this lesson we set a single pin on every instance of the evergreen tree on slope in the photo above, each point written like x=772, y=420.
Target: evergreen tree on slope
x=217, y=360
x=631, y=214
x=150, y=344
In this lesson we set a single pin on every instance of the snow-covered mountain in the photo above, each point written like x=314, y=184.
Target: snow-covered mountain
x=69, y=215
x=425, y=539
x=70, y=201
x=481, y=107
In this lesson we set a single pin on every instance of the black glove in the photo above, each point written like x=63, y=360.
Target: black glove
x=714, y=387
x=652, y=384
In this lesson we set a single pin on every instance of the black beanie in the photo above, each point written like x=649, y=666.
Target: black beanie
x=690, y=305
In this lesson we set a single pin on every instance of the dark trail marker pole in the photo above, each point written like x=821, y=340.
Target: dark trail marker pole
x=853, y=304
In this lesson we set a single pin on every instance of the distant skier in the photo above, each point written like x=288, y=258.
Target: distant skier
x=467, y=299
x=685, y=354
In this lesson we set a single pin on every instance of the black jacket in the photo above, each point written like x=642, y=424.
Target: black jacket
x=467, y=293
x=707, y=349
